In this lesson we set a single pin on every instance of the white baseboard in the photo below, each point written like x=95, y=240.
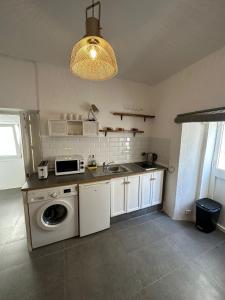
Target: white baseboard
x=220, y=227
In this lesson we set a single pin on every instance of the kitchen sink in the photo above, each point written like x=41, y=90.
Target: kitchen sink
x=147, y=165
x=108, y=170
x=117, y=169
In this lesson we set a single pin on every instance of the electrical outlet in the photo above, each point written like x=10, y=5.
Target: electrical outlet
x=188, y=212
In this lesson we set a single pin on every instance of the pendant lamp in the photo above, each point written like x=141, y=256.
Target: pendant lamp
x=93, y=57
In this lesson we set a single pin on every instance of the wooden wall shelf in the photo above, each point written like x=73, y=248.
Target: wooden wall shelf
x=121, y=131
x=124, y=114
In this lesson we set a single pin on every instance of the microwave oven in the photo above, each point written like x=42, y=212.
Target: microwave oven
x=67, y=165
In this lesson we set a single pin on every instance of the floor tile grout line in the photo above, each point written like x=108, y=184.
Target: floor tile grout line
x=211, y=248
x=214, y=247
x=181, y=267
x=33, y=258
x=161, y=277
x=134, y=225
x=64, y=274
x=202, y=253
x=163, y=237
x=146, y=246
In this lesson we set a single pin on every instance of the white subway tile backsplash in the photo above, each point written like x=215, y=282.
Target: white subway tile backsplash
x=117, y=149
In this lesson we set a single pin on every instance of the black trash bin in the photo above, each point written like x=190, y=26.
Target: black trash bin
x=207, y=214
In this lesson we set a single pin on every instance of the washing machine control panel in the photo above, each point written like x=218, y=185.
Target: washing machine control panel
x=52, y=193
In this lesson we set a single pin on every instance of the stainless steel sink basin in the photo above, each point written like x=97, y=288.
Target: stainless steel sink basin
x=117, y=169
x=112, y=169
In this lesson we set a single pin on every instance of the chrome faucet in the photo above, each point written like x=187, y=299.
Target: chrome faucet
x=104, y=165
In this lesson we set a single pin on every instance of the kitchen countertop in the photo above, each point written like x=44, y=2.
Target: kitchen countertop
x=33, y=183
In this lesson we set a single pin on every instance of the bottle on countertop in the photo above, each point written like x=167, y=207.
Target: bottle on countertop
x=92, y=164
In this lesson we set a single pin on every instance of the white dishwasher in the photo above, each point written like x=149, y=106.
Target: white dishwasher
x=94, y=207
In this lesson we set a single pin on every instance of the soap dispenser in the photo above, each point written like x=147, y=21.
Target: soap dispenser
x=92, y=164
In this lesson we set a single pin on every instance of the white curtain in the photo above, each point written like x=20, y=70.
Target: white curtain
x=32, y=150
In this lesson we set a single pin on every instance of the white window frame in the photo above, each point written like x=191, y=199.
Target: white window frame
x=218, y=172
x=221, y=130
x=18, y=148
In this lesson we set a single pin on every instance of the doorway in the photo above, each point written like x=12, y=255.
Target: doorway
x=12, y=177
x=12, y=172
x=201, y=172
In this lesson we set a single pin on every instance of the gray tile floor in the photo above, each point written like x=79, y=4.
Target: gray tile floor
x=149, y=257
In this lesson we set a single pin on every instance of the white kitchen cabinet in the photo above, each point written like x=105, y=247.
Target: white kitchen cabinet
x=151, y=188
x=57, y=127
x=125, y=195
x=132, y=191
x=118, y=201
x=72, y=128
x=90, y=128
x=94, y=207
x=146, y=190
x=156, y=187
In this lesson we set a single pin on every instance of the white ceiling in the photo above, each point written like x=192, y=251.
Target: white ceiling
x=153, y=39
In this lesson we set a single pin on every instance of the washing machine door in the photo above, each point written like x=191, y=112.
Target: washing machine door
x=54, y=214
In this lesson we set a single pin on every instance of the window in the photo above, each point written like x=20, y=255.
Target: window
x=221, y=154
x=9, y=137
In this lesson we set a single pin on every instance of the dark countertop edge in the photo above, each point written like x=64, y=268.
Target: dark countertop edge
x=26, y=188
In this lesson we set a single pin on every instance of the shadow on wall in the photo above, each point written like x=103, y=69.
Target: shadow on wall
x=161, y=146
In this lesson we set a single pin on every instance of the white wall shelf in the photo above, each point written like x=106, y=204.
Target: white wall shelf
x=65, y=128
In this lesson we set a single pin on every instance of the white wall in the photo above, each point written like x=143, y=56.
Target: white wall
x=199, y=86
x=27, y=85
x=60, y=91
x=190, y=161
x=17, y=84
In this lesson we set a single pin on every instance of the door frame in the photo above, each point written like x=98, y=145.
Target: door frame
x=215, y=172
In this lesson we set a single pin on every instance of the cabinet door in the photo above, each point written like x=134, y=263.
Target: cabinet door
x=146, y=190
x=90, y=128
x=156, y=187
x=132, y=190
x=94, y=207
x=118, y=202
x=57, y=127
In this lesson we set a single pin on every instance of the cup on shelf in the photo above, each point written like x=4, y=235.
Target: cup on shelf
x=63, y=116
x=80, y=117
x=70, y=116
x=74, y=116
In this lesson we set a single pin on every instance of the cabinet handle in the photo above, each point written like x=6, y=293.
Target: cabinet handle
x=152, y=178
x=127, y=182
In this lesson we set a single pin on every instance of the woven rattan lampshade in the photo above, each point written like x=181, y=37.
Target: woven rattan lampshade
x=93, y=57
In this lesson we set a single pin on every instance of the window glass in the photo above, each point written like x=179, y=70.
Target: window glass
x=221, y=157
x=8, y=143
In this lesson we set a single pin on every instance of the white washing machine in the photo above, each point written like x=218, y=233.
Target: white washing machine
x=53, y=214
